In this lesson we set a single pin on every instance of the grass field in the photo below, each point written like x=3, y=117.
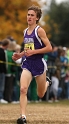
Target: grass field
x=37, y=113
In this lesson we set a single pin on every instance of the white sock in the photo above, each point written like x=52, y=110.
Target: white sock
x=24, y=116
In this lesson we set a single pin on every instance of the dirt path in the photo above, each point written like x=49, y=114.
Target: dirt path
x=38, y=113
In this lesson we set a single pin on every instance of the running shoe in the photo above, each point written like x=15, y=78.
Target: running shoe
x=21, y=121
x=49, y=80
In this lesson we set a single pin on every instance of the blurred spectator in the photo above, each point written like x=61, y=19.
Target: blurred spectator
x=55, y=90
x=58, y=63
x=10, y=75
x=18, y=48
x=64, y=66
x=16, y=89
x=67, y=85
x=67, y=54
x=0, y=43
x=3, y=46
x=67, y=76
x=51, y=60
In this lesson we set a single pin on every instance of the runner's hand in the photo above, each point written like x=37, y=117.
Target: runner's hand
x=16, y=56
x=29, y=52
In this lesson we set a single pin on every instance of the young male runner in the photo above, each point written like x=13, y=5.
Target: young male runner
x=36, y=44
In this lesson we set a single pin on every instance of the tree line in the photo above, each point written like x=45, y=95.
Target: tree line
x=13, y=20
x=57, y=23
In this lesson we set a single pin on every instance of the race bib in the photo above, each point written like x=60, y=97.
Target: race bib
x=29, y=46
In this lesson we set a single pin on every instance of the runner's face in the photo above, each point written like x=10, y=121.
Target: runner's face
x=31, y=17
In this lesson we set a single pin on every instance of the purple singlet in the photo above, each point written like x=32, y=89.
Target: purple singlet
x=35, y=63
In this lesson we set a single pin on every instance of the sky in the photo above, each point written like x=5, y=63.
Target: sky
x=59, y=1
x=47, y=3
x=45, y=6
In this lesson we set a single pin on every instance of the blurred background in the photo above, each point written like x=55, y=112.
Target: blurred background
x=55, y=19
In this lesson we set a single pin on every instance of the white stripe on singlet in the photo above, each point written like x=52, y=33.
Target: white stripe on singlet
x=25, y=31
x=45, y=64
x=36, y=34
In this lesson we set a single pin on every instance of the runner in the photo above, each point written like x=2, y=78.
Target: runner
x=36, y=44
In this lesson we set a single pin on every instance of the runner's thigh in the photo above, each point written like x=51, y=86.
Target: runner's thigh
x=26, y=78
x=41, y=81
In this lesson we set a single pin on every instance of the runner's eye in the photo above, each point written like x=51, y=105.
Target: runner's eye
x=30, y=15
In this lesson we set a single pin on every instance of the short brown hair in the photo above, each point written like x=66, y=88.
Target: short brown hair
x=37, y=10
